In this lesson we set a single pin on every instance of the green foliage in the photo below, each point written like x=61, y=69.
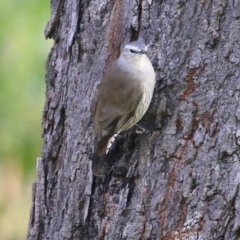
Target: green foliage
x=23, y=54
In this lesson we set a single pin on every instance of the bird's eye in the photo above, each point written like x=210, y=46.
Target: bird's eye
x=133, y=51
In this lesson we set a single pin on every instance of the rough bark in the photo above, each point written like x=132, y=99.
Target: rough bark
x=181, y=179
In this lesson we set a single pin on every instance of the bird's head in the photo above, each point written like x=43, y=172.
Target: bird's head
x=135, y=52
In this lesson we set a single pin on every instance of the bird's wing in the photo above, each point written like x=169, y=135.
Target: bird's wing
x=112, y=120
x=94, y=100
x=117, y=99
x=116, y=105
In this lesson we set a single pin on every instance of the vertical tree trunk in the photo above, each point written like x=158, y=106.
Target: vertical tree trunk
x=181, y=179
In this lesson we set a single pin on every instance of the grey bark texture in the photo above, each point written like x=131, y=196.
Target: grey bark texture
x=180, y=180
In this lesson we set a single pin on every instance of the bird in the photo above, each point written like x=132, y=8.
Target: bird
x=121, y=98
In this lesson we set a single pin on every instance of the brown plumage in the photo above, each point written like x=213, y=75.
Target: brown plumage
x=122, y=97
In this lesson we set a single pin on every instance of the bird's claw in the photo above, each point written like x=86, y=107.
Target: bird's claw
x=139, y=129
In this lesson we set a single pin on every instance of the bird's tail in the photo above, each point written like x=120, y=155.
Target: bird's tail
x=99, y=155
x=97, y=164
x=101, y=147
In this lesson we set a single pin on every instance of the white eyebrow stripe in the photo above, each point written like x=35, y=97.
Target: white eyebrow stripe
x=133, y=48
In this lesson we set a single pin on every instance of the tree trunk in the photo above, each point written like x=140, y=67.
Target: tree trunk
x=180, y=180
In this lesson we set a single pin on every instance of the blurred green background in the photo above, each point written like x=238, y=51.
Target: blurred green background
x=23, y=53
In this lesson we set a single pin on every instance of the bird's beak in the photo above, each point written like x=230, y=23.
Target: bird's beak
x=143, y=52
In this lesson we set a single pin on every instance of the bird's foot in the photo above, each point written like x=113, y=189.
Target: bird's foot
x=139, y=129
